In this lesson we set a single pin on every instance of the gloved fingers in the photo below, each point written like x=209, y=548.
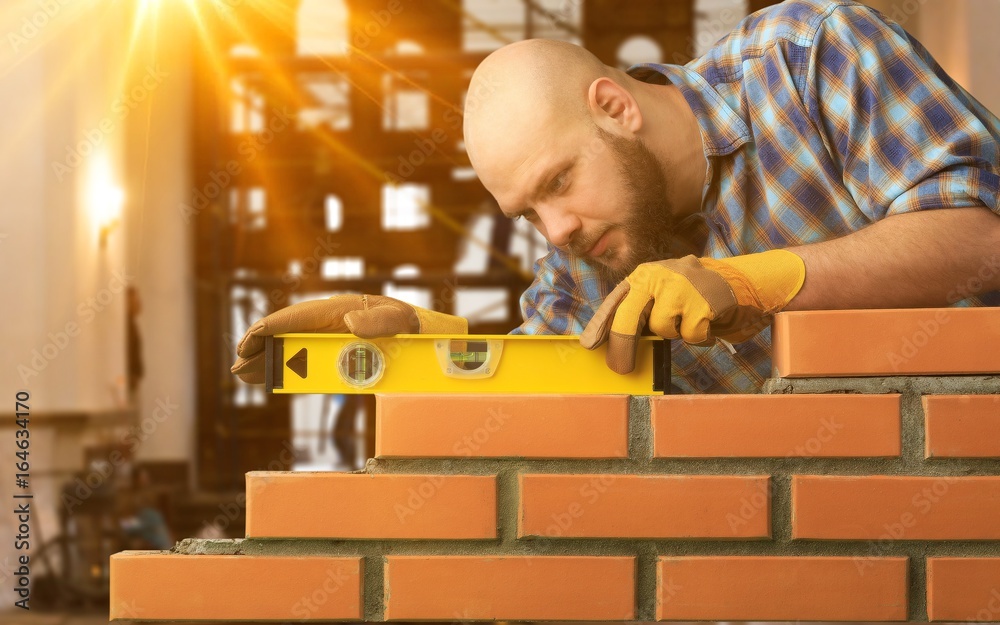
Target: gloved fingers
x=695, y=329
x=622, y=346
x=434, y=322
x=629, y=320
x=633, y=311
x=740, y=324
x=250, y=370
x=597, y=330
x=381, y=321
x=665, y=325
x=322, y=315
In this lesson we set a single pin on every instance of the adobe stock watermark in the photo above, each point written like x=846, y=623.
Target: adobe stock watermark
x=750, y=506
x=667, y=589
x=721, y=23
x=378, y=20
x=6, y=570
x=128, y=610
x=335, y=578
x=562, y=521
x=991, y=611
x=988, y=270
x=922, y=502
x=828, y=428
x=442, y=302
x=220, y=179
x=419, y=496
x=325, y=246
x=928, y=329
x=902, y=11
x=425, y=147
x=86, y=312
x=84, y=488
x=759, y=501
x=33, y=24
x=225, y=8
x=911, y=345
x=122, y=106
x=229, y=511
x=473, y=441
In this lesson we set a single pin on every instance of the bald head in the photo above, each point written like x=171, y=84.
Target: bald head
x=525, y=88
x=598, y=162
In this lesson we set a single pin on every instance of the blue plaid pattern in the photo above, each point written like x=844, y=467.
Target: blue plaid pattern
x=819, y=117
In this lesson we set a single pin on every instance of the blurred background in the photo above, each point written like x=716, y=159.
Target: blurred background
x=172, y=170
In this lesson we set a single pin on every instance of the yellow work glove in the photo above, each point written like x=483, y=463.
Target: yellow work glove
x=696, y=299
x=366, y=316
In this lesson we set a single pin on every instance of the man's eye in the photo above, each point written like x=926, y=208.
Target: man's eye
x=557, y=183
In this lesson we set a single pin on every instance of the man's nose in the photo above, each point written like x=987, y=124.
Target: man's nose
x=561, y=225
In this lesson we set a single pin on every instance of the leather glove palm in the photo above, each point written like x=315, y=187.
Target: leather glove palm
x=696, y=299
x=365, y=316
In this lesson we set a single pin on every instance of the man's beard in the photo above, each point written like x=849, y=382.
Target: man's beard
x=651, y=229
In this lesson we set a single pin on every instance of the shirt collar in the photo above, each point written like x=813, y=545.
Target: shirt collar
x=722, y=129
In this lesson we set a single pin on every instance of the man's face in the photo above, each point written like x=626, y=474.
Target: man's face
x=648, y=221
x=592, y=194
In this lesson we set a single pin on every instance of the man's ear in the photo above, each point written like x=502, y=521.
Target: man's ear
x=613, y=103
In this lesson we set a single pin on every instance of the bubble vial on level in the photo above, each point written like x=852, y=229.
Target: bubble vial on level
x=361, y=364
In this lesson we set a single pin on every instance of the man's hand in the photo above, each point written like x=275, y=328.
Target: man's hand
x=696, y=299
x=366, y=316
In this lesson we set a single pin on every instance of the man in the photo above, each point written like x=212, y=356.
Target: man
x=794, y=166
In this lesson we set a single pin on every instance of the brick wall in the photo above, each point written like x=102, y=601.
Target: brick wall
x=826, y=497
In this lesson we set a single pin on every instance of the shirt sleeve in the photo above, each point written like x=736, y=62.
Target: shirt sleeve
x=907, y=136
x=557, y=302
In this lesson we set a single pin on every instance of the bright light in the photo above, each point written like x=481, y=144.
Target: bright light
x=104, y=198
x=145, y=6
x=152, y=7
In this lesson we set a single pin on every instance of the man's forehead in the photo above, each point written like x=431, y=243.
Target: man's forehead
x=510, y=165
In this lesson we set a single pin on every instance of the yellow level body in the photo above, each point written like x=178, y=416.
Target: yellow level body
x=434, y=363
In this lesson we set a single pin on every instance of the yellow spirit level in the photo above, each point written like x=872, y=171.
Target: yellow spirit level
x=437, y=363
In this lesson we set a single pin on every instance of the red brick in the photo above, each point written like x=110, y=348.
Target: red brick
x=459, y=588
x=915, y=341
x=645, y=506
x=148, y=585
x=776, y=425
x=528, y=426
x=360, y=505
x=962, y=426
x=963, y=589
x=780, y=588
x=896, y=507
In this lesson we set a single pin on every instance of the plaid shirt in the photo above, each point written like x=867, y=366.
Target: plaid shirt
x=817, y=118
